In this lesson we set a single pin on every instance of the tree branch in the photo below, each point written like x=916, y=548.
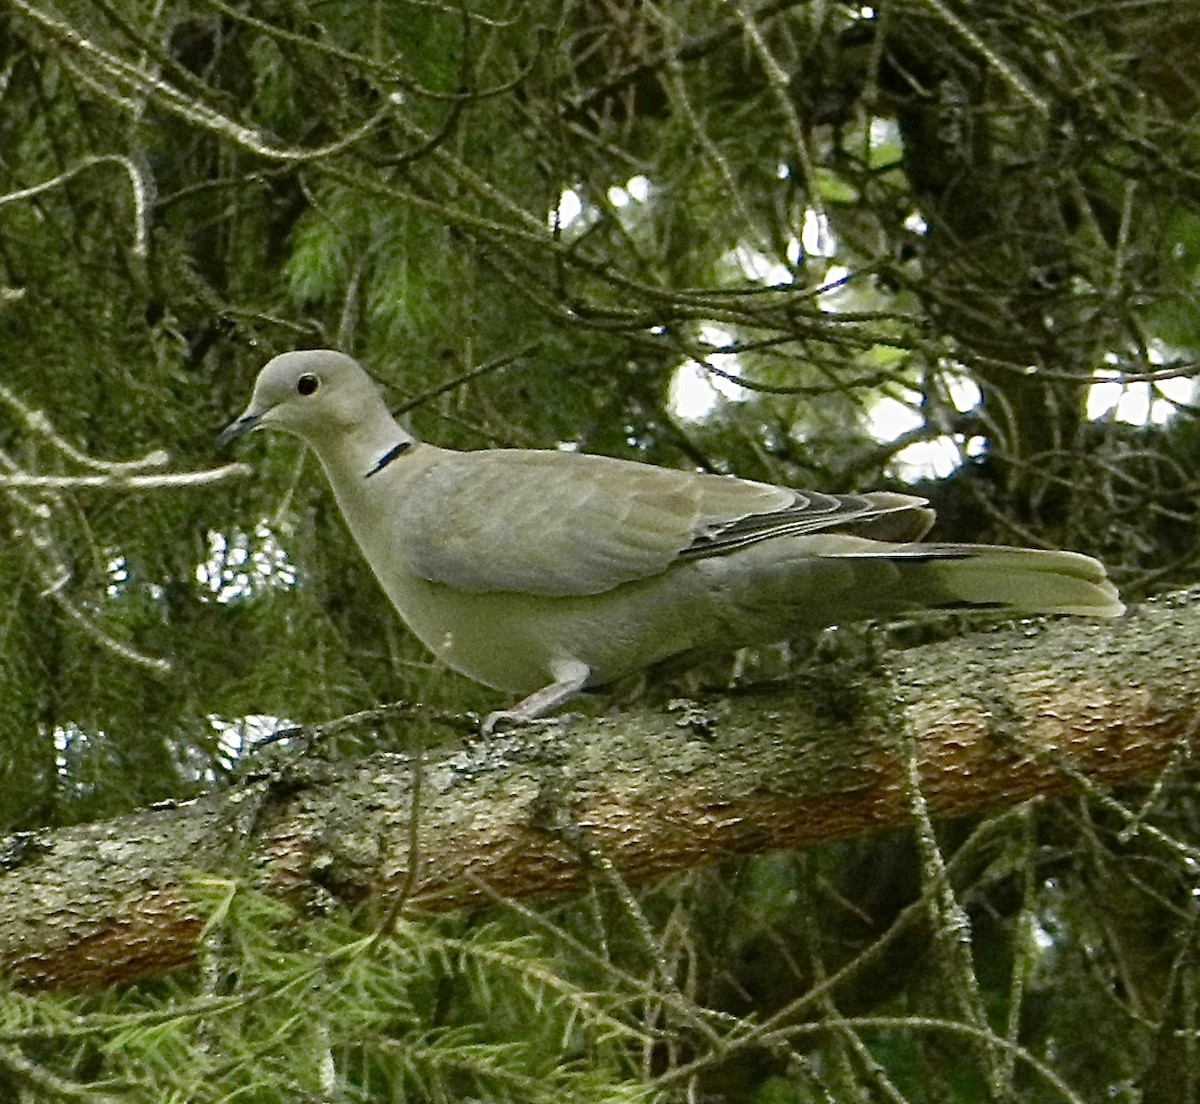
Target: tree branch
x=998, y=718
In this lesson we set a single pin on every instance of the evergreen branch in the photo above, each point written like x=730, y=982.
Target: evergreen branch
x=495, y=364
x=691, y=50
x=909, y=1023
x=54, y=572
x=34, y=1077
x=39, y=423
x=188, y=108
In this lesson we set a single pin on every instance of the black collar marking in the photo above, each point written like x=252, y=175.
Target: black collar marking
x=388, y=457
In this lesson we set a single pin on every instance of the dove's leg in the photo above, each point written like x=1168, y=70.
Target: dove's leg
x=569, y=679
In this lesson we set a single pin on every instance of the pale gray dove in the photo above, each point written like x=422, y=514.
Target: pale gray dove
x=545, y=573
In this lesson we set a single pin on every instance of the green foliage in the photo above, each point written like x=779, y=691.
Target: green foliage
x=284, y=1011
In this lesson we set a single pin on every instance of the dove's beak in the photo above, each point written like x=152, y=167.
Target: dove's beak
x=236, y=428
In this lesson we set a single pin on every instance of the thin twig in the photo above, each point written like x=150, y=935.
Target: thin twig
x=122, y=482
x=138, y=184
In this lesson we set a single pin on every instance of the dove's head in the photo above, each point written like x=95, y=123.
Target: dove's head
x=315, y=394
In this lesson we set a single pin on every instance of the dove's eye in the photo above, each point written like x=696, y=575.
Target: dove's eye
x=307, y=383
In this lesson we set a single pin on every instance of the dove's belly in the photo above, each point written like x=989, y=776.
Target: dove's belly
x=516, y=642
x=520, y=642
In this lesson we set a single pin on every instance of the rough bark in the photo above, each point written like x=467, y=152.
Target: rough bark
x=994, y=719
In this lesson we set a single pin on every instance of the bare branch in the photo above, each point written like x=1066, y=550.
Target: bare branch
x=138, y=184
x=122, y=482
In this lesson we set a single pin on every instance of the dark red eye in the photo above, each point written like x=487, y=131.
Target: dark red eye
x=307, y=383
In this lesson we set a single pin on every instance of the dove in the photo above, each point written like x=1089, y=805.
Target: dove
x=547, y=573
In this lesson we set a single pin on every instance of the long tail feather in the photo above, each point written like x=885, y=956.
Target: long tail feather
x=1027, y=580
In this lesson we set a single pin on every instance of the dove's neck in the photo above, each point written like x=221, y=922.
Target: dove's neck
x=364, y=449
x=368, y=469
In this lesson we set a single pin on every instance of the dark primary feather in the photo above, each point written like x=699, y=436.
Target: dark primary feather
x=879, y=516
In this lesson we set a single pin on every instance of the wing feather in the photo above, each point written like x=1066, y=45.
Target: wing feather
x=549, y=523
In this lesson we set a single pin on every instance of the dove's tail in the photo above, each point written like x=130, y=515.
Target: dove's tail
x=1022, y=580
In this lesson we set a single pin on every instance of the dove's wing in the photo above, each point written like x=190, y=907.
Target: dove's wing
x=559, y=523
